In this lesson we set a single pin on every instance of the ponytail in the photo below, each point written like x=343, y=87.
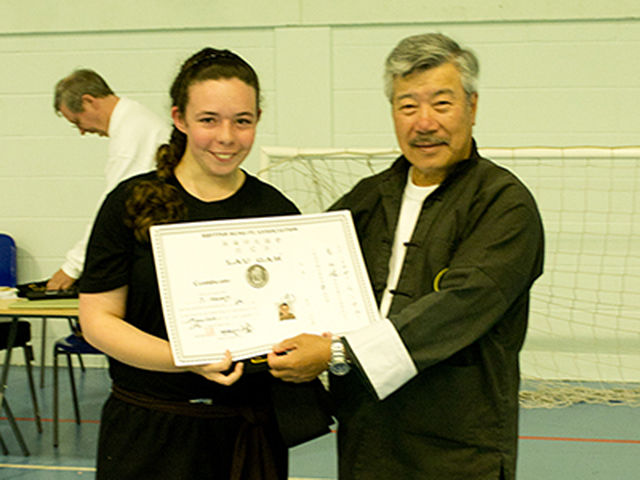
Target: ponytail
x=154, y=202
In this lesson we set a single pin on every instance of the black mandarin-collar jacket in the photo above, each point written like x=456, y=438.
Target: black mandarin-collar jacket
x=461, y=308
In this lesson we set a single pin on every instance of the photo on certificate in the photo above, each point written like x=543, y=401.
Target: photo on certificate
x=245, y=285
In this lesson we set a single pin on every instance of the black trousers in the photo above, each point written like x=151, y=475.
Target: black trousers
x=138, y=443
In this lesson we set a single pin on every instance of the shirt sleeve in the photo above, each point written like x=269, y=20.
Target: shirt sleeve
x=110, y=248
x=75, y=257
x=74, y=262
x=383, y=357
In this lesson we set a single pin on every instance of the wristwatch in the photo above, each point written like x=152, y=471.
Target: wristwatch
x=338, y=365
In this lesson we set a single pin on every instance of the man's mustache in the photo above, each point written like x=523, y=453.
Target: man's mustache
x=421, y=140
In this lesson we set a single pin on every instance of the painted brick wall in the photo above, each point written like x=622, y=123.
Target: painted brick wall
x=548, y=78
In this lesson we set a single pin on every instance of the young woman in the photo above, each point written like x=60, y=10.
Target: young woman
x=162, y=421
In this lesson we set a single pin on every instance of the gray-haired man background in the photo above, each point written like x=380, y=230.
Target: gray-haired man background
x=134, y=131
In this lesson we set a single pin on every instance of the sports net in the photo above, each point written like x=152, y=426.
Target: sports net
x=583, y=342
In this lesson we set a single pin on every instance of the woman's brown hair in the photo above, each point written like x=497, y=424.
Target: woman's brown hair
x=154, y=202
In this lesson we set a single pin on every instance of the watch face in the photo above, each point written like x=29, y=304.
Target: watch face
x=340, y=368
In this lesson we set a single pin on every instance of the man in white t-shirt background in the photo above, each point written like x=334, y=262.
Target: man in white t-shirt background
x=135, y=133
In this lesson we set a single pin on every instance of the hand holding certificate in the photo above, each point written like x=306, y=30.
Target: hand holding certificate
x=244, y=285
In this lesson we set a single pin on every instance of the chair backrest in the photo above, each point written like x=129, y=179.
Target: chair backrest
x=7, y=261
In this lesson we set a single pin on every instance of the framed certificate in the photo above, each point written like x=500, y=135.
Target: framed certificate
x=245, y=285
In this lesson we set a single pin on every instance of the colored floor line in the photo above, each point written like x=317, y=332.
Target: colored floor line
x=587, y=440
x=47, y=467
x=62, y=420
x=521, y=437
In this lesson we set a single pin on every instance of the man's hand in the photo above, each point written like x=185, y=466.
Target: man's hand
x=60, y=281
x=215, y=371
x=301, y=358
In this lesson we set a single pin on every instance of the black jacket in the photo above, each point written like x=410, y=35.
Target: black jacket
x=461, y=309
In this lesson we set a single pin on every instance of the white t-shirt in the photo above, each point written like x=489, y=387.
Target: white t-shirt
x=412, y=200
x=135, y=133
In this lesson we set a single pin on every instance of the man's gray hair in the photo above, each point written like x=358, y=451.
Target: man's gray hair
x=69, y=90
x=423, y=52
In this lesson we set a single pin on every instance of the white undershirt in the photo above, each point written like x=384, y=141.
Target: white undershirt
x=412, y=200
x=378, y=347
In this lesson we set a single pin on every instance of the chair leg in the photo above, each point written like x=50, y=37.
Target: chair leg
x=5, y=450
x=55, y=397
x=28, y=358
x=73, y=329
x=14, y=427
x=81, y=363
x=74, y=393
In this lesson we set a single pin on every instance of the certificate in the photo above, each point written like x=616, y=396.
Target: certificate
x=244, y=285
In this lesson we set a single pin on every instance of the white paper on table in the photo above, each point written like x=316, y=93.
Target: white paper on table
x=245, y=285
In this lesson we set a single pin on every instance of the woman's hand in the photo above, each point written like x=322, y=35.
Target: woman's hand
x=215, y=372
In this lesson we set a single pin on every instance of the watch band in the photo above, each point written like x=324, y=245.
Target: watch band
x=339, y=364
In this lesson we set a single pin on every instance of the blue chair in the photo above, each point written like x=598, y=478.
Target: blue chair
x=20, y=330
x=74, y=344
x=7, y=261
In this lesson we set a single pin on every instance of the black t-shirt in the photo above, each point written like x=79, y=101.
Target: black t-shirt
x=115, y=259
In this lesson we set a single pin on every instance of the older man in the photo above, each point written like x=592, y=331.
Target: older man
x=453, y=244
x=134, y=132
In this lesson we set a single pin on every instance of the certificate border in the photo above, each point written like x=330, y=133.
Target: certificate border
x=160, y=232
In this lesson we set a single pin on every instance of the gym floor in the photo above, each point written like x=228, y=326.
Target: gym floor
x=585, y=442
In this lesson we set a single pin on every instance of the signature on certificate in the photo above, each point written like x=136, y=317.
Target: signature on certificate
x=214, y=327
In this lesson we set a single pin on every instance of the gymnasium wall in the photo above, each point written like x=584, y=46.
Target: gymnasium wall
x=552, y=74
